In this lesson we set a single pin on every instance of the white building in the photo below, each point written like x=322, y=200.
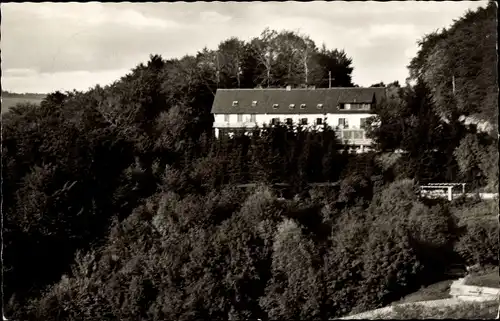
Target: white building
x=344, y=109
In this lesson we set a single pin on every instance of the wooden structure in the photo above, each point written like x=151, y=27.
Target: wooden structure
x=448, y=187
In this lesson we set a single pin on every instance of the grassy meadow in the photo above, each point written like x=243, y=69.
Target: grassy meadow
x=9, y=102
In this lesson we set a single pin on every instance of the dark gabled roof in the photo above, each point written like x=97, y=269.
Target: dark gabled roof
x=266, y=98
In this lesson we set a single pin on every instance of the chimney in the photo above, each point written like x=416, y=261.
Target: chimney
x=288, y=88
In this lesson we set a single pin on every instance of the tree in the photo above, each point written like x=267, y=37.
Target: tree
x=295, y=61
x=389, y=265
x=265, y=50
x=343, y=268
x=380, y=84
x=457, y=64
x=338, y=63
x=295, y=290
x=489, y=165
x=231, y=55
x=289, y=58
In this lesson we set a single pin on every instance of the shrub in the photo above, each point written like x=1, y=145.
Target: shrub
x=389, y=265
x=343, y=263
x=295, y=289
x=479, y=241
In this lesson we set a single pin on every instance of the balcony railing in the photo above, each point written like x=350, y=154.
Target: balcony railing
x=353, y=136
x=359, y=142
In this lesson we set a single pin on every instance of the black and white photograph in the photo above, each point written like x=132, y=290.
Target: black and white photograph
x=265, y=161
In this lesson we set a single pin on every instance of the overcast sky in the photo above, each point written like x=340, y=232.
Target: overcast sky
x=47, y=47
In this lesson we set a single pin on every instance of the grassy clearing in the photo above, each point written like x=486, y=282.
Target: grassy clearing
x=471, y=210
x=488, y=277
x=9, y=102
x=436, y=291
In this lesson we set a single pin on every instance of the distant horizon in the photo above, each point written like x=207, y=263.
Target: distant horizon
x=22, y=93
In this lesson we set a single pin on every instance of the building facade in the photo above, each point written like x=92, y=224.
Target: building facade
x=344, y=109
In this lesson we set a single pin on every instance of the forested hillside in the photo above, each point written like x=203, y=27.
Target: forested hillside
x=459, y=64
x=455, y=75
x=119, y=203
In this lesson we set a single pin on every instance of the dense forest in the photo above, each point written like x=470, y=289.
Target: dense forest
x=119, y=203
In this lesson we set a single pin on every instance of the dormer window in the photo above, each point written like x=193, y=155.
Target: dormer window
x=254, y=103
x=292, y=106
x=302, y=106
x=275, y=106
x=319, y=106
x=235, y=103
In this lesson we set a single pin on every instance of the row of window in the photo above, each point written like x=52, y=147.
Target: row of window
x=303, y=121
x=354, y=106
x=240, y=118
x=274, y=121
x=343, y=122
x=319, y=106
x=275, y=106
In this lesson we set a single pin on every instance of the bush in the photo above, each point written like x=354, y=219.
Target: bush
x=479, y=241
x=296, y=287
x=343, y=263
x=372, y=260
x=389, y=265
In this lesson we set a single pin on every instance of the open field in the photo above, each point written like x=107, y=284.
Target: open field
x=9, y=102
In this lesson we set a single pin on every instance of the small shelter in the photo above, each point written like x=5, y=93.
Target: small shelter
x=448, y=187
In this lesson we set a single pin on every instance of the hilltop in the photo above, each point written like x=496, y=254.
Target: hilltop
x=123, y=204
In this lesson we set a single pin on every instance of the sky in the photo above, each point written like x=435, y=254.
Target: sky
x=64, y=46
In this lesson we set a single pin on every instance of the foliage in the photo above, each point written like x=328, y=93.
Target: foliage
x=479, y=241
x=477, y=158
x=295, y=288
x=125, y=193
x=456, y=63
x=453, y=81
